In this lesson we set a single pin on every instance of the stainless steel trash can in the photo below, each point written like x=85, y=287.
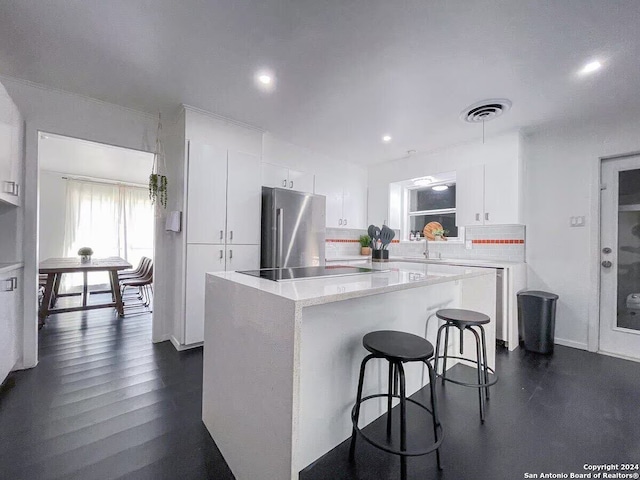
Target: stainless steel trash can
x=537, y=320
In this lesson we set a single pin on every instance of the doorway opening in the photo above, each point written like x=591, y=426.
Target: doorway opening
x=95, y=220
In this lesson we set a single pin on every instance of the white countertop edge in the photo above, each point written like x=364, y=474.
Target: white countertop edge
x=8, y=267
x=247, y=281
x=471, y=262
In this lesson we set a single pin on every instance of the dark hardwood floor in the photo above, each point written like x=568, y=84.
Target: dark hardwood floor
x=106, y=403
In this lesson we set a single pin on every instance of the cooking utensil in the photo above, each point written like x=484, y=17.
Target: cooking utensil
x=376, y=236
x=372, y=233
x=386, y=235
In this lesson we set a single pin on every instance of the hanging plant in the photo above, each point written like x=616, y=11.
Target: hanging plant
x=158, y=182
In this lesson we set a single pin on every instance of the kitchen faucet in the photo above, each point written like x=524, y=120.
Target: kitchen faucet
x=426, y=247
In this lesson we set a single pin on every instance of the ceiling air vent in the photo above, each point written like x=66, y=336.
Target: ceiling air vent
x=485, y=110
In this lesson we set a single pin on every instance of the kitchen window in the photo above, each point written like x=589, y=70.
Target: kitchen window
x=429, y=204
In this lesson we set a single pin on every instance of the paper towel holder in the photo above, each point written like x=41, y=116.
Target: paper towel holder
x=173, y=222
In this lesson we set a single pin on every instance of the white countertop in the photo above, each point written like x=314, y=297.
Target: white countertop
x=316, y=291
x=467, y=262
x=7, y=267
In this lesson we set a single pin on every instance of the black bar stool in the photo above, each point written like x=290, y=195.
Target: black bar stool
x=466, y=320
x=397, y=348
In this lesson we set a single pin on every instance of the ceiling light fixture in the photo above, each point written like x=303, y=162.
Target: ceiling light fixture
x=265, y=80
x=424, y=181
x=386, y=138
x=591, y=67
x=440, y=188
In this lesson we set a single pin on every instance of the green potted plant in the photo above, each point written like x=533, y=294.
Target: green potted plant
x=439, y=234
x=365, y=245
x=158, y=182
x=85, y=254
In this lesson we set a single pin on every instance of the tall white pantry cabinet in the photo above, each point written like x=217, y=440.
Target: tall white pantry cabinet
x=11, y=225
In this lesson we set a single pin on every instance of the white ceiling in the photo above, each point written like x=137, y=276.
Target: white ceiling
x=347, y=71
x=96, y=160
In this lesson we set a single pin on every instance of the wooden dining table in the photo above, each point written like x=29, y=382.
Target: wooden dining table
x=54, y=268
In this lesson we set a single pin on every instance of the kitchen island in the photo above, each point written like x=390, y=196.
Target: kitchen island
x=281, y=359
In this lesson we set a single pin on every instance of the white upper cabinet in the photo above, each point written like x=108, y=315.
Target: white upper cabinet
x=11, y=150
x=470, y=196
x=274, y=176
x=346, y=201
x=487, y=194
x=244, y=199
x=283, y=177
x=206, y=194
x=501, y=204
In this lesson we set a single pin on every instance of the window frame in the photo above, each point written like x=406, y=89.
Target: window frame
x=407, y=213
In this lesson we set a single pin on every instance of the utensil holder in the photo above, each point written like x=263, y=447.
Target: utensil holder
x=380, y=256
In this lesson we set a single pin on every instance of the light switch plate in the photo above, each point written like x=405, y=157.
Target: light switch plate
x=578, y=221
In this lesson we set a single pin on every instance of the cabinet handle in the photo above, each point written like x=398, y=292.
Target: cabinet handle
x=345, y=221
x=9, y=187
x=14, y=282
x=221, y=254
x=8, y=285
x=230, y=235
x=291, y=184
x=284, y=183
x=221, y=234
x=230, y=254
x=17, y=190
x=340, y=222
x=477, y=217
x=486, y=216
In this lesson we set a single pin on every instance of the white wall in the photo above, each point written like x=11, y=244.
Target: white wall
x=53, y=207
x=503, y=148
x=292, y=156
x=49, y=110
x=562, y=179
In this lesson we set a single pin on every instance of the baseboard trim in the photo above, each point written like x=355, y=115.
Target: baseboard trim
x=180, y=347
x=622, y=357
x=571, y=343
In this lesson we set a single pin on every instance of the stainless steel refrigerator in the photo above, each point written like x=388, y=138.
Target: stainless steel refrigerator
x=293, y=228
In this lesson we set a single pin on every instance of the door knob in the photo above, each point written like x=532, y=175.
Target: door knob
x=607, y=264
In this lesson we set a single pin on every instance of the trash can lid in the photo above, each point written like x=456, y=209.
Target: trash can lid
x=538, y=294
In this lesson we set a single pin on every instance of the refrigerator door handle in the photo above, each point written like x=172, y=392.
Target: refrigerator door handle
x=279, y=229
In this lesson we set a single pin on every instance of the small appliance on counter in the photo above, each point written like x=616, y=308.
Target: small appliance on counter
x=293, y=229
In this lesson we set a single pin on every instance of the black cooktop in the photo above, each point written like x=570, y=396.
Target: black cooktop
x=298, y=273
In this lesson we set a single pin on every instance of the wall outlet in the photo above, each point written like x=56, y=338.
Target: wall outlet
x=578, y=221
x=468, y=244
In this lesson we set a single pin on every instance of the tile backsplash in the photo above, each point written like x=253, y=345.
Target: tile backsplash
x=490, y=242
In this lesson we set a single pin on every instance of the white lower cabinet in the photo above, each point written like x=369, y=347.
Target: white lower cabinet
x=10, y=320
x=202, y=259
x=243, y=257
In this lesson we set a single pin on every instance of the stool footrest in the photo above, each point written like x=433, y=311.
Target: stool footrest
x=473, y=385
x=405, y=453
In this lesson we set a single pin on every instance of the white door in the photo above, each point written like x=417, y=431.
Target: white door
x=620, y=257
x=200, y=260
x=243, y=257
x=301, y=181
x=470, y=196
x=244, y=198
x=274, y=176
x=206, y=193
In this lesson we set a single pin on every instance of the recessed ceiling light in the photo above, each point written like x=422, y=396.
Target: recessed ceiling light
x=386, y=138
x=440, y=188
x=591, y=67
x=424, y=181
x=265, y=79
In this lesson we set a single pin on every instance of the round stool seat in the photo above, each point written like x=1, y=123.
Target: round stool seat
x=462, y=318
x=398, y=345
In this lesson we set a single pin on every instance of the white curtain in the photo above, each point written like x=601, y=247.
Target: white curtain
x=114, y=220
